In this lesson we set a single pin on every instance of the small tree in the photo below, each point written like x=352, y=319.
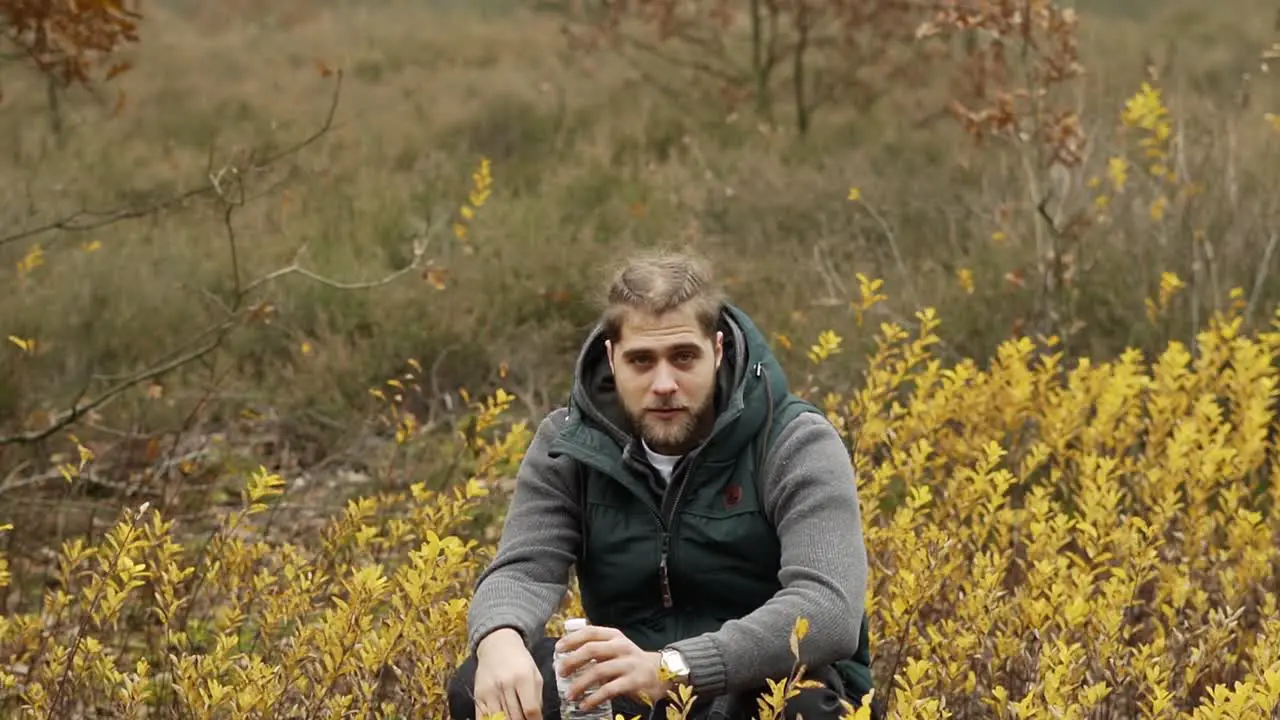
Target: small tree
x=1013, y=84
x=808, y=52
x=70, y=43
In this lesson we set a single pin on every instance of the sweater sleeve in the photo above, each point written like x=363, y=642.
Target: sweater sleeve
x=528, y=577
x=811, y=496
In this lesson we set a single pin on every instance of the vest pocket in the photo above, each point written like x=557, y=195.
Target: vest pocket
x=620, y=554
x=731, y=558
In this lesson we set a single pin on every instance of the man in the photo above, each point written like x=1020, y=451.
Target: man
x=705, y=509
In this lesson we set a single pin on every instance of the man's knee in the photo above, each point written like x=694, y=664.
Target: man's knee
x=810, y=703
x=826, y=702
x=815, y=704
x=460, y=691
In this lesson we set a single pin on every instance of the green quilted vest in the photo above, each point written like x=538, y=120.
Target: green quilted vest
x=663, y=566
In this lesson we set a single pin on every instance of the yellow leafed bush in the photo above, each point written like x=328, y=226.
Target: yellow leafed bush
x=1093, y=540
x=1076, y=542
x=368, y=618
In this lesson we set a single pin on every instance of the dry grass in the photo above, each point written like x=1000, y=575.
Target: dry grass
x=588, y=161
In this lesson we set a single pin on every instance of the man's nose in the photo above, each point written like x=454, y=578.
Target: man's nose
x=664, y=381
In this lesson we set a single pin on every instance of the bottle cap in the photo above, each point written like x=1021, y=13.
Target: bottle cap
x=572, y=624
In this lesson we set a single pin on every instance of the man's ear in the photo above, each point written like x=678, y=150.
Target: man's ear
x=719, y=348
x=608, y=351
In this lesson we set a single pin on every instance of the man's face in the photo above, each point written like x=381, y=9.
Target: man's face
x=665, y=371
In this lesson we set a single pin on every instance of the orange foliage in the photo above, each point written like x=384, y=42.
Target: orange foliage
x=68, y=39
x=1018, y=50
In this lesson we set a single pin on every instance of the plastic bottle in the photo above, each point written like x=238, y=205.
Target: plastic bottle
x=568, y=708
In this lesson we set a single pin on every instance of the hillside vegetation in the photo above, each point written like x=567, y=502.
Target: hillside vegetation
x=288, y=293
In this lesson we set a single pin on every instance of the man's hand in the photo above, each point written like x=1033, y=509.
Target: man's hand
x=621, y=667
x=507, y=679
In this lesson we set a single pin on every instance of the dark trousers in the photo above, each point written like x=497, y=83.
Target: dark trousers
x=811, y=704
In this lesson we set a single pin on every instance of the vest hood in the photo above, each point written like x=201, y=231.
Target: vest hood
x=749, y=384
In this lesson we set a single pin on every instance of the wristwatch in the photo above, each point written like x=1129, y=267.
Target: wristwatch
x=673, y=663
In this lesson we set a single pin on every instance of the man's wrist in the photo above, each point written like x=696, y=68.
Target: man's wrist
x=500, y=635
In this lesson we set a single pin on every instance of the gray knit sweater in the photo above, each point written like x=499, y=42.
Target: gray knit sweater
x=811, y=497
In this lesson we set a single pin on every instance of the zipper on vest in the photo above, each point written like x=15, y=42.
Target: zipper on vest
x=664, y=575
x=668, y=525
x=666, y=517
x=663, y=578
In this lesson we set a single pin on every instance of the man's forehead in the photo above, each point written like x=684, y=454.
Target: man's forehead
x=670, y=330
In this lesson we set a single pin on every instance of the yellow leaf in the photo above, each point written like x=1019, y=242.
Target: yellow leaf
x=1158, y=208
x=28, y=346
x=802, y=627
x=33, y=259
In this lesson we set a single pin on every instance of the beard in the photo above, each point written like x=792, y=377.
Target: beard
x=675, y=433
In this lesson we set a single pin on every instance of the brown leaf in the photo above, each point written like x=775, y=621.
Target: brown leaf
x=118, y=68
x=435, y=276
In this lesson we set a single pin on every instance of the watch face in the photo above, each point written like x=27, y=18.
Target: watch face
x=674, y=663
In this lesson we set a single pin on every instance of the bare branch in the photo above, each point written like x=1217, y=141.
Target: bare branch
x=1262, y=270
x=86, y=220
x=728, y=75
x=219, y=331
x=211, y=338
x=78, y=410
x=295, y=268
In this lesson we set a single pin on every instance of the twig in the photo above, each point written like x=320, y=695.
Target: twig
x=295, y=268
x=88, y=474
x=86, y=220
x=221, y=331
x=78, y=410
x=1261, y=274
x=893, y=247
x=13, y=474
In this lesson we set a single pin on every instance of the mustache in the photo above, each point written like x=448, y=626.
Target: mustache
x=668, y=406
